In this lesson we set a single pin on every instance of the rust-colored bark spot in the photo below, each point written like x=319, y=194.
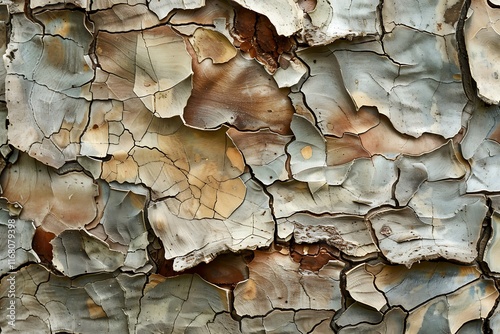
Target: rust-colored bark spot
x=244, y=23
x=452, y=14
x=258, y=37
x=313, y=256
x=41, y=244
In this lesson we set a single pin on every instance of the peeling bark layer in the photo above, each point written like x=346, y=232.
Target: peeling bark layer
x=245, y=166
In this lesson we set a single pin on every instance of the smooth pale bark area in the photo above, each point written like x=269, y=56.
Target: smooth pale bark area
x=250, y=166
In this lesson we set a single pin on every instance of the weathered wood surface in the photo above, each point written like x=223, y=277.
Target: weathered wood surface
x=246, y=166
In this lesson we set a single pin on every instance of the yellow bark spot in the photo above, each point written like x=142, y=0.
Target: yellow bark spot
x=306, y=152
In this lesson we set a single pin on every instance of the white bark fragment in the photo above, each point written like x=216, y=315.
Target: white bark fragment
x=292, y=75
x=349, y=234
x=123, y=17
x=90, y=303
x=417, y=67
x=367, y=185
x=482, y=29
x=357, y=313
x=264, y=152
x=133, y=64
x=485, y=164
x=289, y=322
x=440, y=164
x=483, y=124
x=361, y=286
x=397, y=282
x=56, y=202
x=190, y=242
x=261, y=293
x=180, y=304
x=163, y=7
x=332, y=20
x=76, y=252
x=121, y=223
x=439, y=222
x=285, y=15
x=393, y=322
x=436, y=17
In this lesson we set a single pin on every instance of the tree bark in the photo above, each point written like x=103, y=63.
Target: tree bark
x=230, y=166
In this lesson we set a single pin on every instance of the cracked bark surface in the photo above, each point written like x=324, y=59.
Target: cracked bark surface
x=244, y=166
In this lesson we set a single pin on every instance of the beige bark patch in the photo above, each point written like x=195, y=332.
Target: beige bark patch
x=95, y=311
x=306, y=152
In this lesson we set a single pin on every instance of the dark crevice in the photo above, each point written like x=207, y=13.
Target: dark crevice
x=470, y=86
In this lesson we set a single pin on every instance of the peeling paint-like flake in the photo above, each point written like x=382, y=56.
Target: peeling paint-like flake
x=473, y=301
x=333, y=108
x=264, y=152
x=481, y=37
x=331, y=20
x=56, y=202
x=256, y=104
x=407, y=73
x=366, y=185
x=428, y=228
x=163, y=7
x=393, y=322
x=190, y=242
x=437, y=17
x=441, y=278
x=21, y=233
x=212, y=44
x=249, y=166
x=71, y=246
x=485, y=165
x=261, y=293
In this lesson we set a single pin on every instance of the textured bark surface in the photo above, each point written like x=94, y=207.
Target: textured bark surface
x=247, y=166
